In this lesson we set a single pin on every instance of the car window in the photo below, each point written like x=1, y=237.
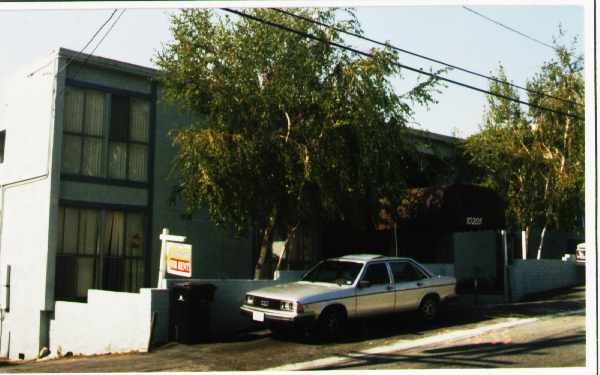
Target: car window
x=377, y=274
x=405, y=272
x=330, y=271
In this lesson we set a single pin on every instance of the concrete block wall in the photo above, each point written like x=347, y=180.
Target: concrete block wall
x=535, y=276
x=110, y=322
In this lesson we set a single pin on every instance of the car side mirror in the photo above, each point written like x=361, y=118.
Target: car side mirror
x=364, y=284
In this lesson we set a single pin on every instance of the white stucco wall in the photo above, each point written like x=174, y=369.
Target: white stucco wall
x=110, y=322
x=535, y=276
x=26, y=113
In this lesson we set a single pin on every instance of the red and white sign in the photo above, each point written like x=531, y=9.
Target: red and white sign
x=179, y=259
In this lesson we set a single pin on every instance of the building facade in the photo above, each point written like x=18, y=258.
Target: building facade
x=84, y=192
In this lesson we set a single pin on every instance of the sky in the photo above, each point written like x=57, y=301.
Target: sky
x=449, y=33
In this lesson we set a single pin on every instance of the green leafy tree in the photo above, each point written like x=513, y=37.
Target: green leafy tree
x=535, y=159
x=292, y=128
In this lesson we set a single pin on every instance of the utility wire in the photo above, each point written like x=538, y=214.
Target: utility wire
x=80, y=51
x=97, y=45
x=508, y=28
x=307, y=19
x=105, y=35
x=417, y=70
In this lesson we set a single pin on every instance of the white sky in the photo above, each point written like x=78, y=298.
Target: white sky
x=447, y=33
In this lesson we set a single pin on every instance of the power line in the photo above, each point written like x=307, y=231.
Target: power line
x=96, y=47
x=80, y=51
x=508, y=28
x=307, y=19
x=105, y=35
x=417, y=70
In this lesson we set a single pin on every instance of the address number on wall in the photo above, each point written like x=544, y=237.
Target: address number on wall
x=471, y=220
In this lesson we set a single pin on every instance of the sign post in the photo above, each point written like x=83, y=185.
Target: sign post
x=167, y=238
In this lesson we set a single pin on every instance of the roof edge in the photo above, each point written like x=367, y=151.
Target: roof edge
x=107, y=63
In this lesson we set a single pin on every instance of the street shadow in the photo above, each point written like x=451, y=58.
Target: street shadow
x=410, y=323
x=473, y=355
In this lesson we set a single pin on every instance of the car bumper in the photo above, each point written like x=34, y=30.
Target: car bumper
x=270, y=316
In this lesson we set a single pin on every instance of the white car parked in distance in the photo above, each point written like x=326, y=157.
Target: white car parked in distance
x=347, y=287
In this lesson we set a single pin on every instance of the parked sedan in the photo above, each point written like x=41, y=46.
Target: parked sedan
x=349, y=287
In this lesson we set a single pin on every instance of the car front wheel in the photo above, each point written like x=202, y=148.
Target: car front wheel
x=331, y=324
x=429, y=308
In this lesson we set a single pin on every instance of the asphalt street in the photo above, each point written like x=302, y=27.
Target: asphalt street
x=549, y=341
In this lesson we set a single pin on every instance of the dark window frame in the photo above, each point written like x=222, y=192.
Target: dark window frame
x=98, y=278
x=104, y=177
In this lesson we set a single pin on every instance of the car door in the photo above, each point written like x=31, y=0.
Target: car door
x=409, y=285
x=378, y=296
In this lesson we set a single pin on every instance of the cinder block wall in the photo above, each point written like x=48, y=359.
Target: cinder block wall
x=535, y=276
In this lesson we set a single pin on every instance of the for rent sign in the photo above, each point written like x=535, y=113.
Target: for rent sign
x=179, y=259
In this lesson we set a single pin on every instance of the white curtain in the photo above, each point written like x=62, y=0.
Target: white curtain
x=138, y=166
x=71, y=226
x=92, y=157
x=114, y=233
x=94, y=113
x=140, y=120
x=88, y=231
x=117, y=167
x=73, y=113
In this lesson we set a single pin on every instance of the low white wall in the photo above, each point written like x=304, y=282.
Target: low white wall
x=535, y=276
x=225, y=317
x=110, y=322
x=443, y=269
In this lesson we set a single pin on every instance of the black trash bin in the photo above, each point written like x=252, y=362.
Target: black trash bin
x=190, y=312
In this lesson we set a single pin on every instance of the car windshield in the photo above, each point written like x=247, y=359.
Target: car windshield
x=335, y=272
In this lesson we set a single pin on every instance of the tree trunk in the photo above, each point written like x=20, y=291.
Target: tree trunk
x=264, y=265
x=524, y=242
x=539, y=252
x=288, y=248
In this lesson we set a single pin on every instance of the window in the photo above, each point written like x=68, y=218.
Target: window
x=2, y=142
x=377, y=274
x=405, y=272
x=331, y=271
x=99, y=142
x=101, y=249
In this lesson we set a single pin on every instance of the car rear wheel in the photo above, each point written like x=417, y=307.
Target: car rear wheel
x=331, y=324
x=429, y=308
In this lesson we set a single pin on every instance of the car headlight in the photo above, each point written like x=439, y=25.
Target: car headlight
x=249, y=299
x=287, y=306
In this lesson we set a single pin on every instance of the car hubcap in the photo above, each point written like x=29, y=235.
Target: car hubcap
x=429, y=309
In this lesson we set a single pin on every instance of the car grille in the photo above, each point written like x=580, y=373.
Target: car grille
x=267, y=303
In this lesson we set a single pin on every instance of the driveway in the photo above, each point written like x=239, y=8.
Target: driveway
x=259, y=350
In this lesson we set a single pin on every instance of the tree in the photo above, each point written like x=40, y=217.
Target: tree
x=535, y=159
x=292, y=128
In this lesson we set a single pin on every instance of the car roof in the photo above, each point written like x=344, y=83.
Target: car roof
x=368, y=257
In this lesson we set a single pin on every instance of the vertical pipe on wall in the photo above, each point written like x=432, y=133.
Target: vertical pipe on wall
x=505, y=268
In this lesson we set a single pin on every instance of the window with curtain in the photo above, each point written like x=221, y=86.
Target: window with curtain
x=99, y=248
x=93, y=128
x=128, y=140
